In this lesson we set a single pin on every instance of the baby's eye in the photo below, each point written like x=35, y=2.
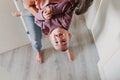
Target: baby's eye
x=56, y=43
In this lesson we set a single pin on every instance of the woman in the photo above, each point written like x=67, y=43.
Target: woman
x=34, y=32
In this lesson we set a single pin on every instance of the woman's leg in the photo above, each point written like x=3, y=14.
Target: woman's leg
x=35, y=34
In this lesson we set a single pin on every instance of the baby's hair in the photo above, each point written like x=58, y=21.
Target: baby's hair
x=82, y=6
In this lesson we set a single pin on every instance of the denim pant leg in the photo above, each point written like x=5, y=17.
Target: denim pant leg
x=34, y=32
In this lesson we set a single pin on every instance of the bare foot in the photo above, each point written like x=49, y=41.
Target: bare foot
x=40, y=56
x=70, y=55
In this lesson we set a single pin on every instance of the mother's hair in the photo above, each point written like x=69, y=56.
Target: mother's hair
x=82, y=6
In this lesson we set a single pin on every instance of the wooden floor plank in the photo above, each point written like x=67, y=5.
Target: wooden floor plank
x=22, y=62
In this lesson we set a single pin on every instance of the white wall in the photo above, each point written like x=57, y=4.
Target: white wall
x=12, y=32
x=106, y=32
x=91, y=13
x=5, y=75
x=109, y=33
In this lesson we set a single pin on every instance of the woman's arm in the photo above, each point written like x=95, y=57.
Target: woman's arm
x=33, y=10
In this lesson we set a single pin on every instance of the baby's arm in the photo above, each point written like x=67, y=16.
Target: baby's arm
x=61, y=7
x=62, y=16
x=65, y=17
x=44, y=14
x=52, y=10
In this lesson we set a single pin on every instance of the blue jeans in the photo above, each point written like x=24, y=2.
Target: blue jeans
x=34, y=32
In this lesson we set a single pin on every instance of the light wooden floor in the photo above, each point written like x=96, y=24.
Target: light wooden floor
x=21, y=62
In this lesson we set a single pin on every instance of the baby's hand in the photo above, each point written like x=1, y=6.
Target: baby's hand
x=47, y=13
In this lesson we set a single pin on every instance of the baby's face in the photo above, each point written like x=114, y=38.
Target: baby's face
x=60, y=39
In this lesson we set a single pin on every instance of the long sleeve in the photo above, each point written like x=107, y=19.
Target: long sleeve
x=65, y=19
x=39, y=15
x=39, y=19
x=65, y=8
x=62, y=18
x=60, y=8
x=57, y=8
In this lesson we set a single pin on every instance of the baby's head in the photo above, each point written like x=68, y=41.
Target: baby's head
x=59, y=38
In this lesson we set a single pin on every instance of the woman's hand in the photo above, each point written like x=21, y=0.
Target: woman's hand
x=16, y=13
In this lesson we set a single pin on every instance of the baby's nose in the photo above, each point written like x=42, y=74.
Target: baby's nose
x=59, y=35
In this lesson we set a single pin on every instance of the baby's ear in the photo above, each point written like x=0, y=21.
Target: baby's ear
x=70, y=35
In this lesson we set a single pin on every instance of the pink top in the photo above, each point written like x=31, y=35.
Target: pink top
x=62, y=15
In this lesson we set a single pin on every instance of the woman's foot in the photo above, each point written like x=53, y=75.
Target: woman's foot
x=70, y=55
x=40, y=56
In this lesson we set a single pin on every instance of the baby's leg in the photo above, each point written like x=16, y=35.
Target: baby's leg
x=70, y=55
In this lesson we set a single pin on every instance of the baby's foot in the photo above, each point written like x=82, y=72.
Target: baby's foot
x=70, y=55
